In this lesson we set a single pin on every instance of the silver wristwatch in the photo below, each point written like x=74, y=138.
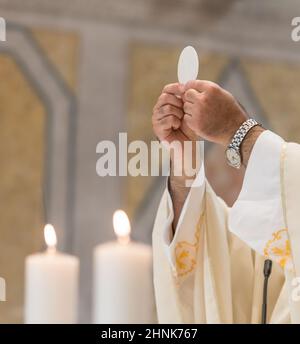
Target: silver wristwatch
x=233, y=151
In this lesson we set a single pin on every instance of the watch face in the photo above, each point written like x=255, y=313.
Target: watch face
x=233, y=157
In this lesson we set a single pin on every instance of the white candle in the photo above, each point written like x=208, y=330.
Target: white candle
x=51, y=285
x=123, y=291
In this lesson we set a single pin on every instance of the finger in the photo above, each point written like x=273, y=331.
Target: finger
x=175, y=88
x=188, y=108
x=191, y=95
x=167, y=98
x=199, y=85
x=189, y=121
x=187, y=130
x=169, y=122
x=169, y=110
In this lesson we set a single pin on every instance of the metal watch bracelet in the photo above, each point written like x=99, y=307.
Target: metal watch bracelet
x=233, y=152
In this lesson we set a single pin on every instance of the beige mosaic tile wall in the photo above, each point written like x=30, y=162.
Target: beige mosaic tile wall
x=22, y=125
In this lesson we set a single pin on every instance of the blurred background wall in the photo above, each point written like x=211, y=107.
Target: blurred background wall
x=77, y=72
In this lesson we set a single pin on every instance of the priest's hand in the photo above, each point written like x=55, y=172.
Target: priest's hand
x=167, y=118
x=211, y=112
x=169, y=127
x=214, y=114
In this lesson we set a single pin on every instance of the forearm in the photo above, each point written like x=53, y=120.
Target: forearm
x=179, y=192
x=179, y=186
x=248, y=143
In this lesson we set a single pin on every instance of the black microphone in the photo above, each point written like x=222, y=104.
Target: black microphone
x=267, y=273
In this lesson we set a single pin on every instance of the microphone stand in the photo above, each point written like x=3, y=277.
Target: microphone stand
x=267, y=273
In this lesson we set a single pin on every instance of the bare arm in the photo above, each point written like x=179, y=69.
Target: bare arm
x=248, y=143
x=178, y=184
x=179, y=192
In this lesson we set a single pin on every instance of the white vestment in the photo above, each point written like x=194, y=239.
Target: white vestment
x=211, y=271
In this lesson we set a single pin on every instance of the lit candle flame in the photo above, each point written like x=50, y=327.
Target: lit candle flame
x=50, y=237
x=121, y=226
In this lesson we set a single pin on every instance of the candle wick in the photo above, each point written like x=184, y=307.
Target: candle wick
x=123, y=240
x=51, y=249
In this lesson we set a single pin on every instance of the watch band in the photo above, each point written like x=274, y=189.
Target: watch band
x=241, y=133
